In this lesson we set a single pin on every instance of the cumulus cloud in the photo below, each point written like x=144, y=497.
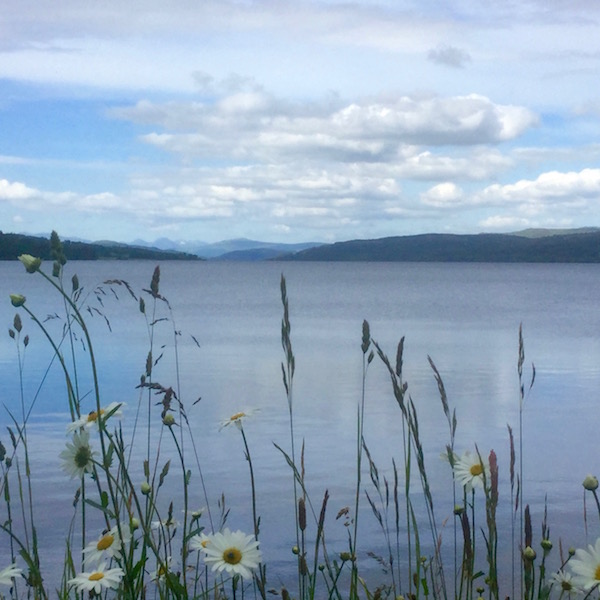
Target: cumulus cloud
x=547, y=188
x=443, y=195
x=253, y=125
x=27, y=198
x=16, y=191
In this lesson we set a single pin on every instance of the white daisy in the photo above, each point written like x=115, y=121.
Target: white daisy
x=565, y=582
x=169, y=523
x=162, y=570
x=233, y=552
x=78, y=456
x=98, y=580
x=586, y=566
x=106, y=546
x=9, y=573
x=91, y=419
x=195, y=514
x=199, y=541
x=469, y=470
x=238, y=418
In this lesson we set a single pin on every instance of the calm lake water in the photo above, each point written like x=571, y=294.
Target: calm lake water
x=465, y=316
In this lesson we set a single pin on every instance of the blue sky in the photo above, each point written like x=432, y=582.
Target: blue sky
x=298, y=120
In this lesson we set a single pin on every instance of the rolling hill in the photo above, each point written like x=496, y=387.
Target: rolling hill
x=582, y=247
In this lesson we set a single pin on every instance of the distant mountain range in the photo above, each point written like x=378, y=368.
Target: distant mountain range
x=236, y=249
x=530, y=245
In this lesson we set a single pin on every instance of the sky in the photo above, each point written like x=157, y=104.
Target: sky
x=298, y=120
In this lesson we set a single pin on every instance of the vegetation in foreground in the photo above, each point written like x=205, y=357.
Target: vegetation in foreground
x=123, y=543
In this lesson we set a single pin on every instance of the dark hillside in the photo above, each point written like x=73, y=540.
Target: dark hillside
x=14, y=244
x=579, y=247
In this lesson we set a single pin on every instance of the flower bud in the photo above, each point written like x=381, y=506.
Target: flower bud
x=134, y=524
x=145, y=487
x=17, y=300
x=529, y=554
x=345, y=556
x=571, y=551
x=295, y=550
x=31, y=263
x=169, y=420
x=590, y=483
x=546, y=544
x=459, y=510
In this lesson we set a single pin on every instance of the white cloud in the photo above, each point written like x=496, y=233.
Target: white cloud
x=16, y=191
x=571, y=187
x=257, y=126
x=443, y=195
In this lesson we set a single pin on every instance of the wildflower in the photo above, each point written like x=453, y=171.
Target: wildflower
x=78, y=456
x=586, y=566
x=469, y=470
x=237, y=419
x=199, y=542
x=145, y=488
x=170, y=522
x=565, y=581
x=98, y=580
x=161, y=571
x=233, y=552
x=195, y=514
x=169, y=420
x=107, y=546
x=17, y=300
x=590, y=483
x=92, y=418
x=9, y=573
x=31, y=263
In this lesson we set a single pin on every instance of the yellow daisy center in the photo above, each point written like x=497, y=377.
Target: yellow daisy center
x=476, y=470
x=162, y=571
x=93, y=416
x=232, y=556
x=204, y=543
x=237, y=416
x=597, y=573
x=105, y=542
x=97, y=576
